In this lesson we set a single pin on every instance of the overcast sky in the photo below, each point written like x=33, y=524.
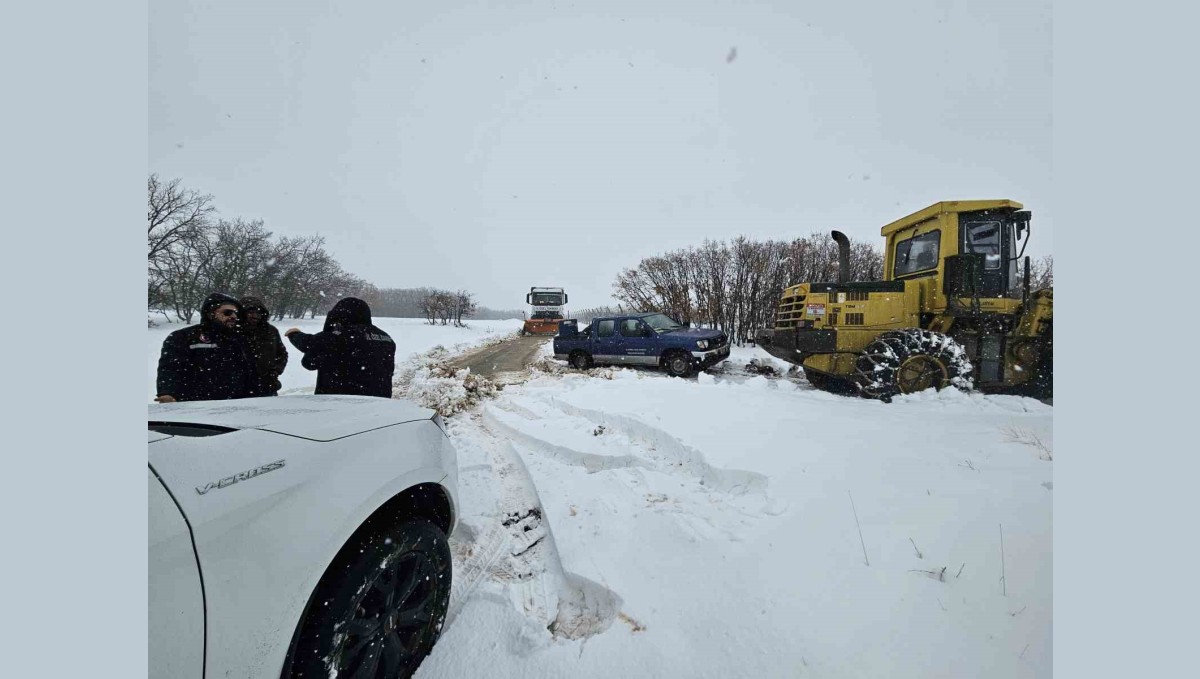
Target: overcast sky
x=497, y=146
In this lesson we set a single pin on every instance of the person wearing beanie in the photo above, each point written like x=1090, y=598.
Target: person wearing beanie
x=266, y=345
x=351, y=356
x=209, y=360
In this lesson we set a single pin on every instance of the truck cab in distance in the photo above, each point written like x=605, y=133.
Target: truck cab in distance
x=650, y=339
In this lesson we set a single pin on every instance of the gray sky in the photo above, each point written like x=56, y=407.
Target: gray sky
x=494, y=147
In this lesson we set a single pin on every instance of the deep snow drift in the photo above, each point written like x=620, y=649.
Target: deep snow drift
x=624, y=524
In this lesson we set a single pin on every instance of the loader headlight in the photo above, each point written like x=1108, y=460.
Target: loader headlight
x=702, y=344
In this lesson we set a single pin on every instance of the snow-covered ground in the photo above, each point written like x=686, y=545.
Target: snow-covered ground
x=711, y=528
x=621, y=523
x=412, y=335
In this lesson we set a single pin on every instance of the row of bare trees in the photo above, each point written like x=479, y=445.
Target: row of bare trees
x=443, y=306
x=191, y=252
x=735, y=286
x=431, y=304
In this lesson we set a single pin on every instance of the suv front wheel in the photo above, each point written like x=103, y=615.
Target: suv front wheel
x=379, y=608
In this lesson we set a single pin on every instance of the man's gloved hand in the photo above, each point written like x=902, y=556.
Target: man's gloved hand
x=291, y=330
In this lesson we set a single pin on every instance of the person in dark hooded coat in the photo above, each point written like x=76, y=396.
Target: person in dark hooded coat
x=209, y=360
x=266, y=345
x=351, y=356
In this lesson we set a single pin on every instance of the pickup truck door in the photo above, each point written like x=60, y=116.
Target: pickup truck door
x=606, y=343
x=638, y=342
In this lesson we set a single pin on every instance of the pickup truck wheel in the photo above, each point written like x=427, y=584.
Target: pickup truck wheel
x=580, y=360
x=678, y=364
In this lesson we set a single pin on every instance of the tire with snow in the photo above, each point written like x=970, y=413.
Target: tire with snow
x=678, y=364
x=908, y=361
x=379, y=607
x=580, y=360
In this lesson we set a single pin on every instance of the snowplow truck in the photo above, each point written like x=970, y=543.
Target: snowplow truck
x=547, y=311
x=951, y=310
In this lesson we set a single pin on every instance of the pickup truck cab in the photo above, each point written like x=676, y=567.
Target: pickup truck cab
x=651, y=339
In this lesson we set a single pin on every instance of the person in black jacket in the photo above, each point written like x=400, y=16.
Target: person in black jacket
x=210, y=360
x=350, y=355
x=270, y=356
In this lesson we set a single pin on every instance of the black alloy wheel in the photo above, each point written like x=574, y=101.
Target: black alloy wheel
x=379, y=609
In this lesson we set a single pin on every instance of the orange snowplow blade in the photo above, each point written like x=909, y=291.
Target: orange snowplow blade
x=541, y=326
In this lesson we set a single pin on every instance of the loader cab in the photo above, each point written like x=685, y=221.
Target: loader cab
x=957, y=249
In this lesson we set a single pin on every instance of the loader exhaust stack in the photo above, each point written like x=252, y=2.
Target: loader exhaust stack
x=843, y=256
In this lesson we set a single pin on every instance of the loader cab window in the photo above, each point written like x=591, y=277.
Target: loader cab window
x=919, y=253
x=984, y=238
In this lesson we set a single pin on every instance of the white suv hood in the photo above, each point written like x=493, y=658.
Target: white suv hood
x=319, y=418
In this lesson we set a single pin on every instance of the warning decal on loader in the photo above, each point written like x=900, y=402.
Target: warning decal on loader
x=815, y=310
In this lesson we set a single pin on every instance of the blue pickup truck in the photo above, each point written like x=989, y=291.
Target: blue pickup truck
x=640, y=339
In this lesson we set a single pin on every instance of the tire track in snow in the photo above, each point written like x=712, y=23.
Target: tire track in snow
x=592, y=462
x=518, y=552
x=676, y=455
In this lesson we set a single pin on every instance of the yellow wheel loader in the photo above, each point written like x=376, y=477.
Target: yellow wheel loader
x=951, y=310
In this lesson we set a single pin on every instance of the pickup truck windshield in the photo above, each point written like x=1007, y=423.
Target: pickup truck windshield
x=661, y=323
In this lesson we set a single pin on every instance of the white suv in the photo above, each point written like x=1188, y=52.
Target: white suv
x=297, y=536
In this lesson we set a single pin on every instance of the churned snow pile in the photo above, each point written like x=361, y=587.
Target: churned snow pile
x=430, y=381
x=412, y=336
x=744, y=525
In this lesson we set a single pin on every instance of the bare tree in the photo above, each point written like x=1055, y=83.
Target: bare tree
x=174, y=214
x=464, y=305
x=1042, y=273
x=241, y=250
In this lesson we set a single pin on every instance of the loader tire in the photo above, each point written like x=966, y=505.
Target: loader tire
x=909, y=361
